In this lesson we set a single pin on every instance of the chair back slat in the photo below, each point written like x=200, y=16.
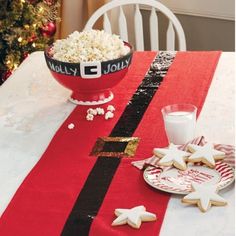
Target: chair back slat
x=153, y=24
x=170, y=37
x=106, y=24
x=175, y=31
x=138, y=28
x=123, y=25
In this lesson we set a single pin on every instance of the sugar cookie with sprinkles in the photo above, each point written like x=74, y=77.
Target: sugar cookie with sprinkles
x=172, y=156
x=204, y=196
x=205, y=154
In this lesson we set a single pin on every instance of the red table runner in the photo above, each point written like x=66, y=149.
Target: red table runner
x=63, y=194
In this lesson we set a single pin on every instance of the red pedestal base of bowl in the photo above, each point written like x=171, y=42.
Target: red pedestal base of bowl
x=90, y=91
x=89, y=99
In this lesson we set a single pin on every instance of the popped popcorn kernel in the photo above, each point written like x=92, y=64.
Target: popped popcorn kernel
x=92, y=111
x=111, y=108
x=89, y=117
x=109, y=115
x=71, y=126
x=100, y=111
x=88, y=46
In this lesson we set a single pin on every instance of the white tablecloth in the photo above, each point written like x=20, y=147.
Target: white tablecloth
x=33, y=106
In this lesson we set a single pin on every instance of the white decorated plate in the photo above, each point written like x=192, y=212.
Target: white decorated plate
x=172, y=180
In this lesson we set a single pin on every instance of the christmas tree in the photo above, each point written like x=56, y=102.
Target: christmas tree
x=25, y=26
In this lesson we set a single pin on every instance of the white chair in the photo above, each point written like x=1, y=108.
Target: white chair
x=174, y=26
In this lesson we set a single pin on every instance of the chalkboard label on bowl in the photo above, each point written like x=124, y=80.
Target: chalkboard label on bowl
x=63, y=69
x=88, y=70
x=116, y=66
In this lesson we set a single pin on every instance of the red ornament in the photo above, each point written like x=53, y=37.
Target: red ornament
x=49, y=30
x=6, y=75
x=32, y=38
x=25, y=55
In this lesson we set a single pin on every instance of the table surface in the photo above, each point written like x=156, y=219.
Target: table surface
x=33, y=106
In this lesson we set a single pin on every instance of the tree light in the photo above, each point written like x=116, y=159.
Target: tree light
x=41, y=9
x=20, y=39
x=15, y=66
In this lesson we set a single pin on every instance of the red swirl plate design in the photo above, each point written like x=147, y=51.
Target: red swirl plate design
x=172, y=180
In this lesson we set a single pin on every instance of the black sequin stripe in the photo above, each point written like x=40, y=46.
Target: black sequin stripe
x=91, y=197
x=138, y=104
x=94, y=190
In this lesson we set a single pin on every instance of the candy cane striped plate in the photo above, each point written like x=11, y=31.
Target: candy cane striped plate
x=172, y=180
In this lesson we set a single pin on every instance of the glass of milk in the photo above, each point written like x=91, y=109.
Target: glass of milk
x=180, y=122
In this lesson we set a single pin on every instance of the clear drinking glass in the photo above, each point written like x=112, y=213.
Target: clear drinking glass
x=180, y=122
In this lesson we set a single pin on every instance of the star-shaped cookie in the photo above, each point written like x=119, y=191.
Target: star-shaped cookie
x=204, y=196
x=172, y=156
x=206, y=154
x=133, y=216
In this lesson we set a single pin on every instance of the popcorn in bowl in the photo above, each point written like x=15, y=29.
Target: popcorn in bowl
x=89, y=63
x=88, y=46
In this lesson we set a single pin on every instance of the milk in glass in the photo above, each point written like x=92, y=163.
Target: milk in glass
x=180, y=126
x=180, y=122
